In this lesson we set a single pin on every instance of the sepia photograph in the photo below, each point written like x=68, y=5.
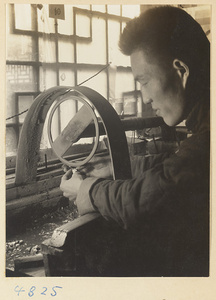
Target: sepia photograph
x=107, y=142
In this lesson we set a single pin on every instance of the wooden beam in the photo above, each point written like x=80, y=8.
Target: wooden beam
x=33, y=188
x=45, y=199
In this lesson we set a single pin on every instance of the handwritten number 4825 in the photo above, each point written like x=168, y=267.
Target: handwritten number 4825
x=31, y=292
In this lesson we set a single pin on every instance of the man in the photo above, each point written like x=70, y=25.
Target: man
x=165, y=206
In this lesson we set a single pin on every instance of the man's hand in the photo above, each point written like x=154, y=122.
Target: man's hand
x=70, y=184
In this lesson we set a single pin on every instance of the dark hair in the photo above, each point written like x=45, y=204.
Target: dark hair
x=168, y=32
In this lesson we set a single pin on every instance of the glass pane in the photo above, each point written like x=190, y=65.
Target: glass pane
x=100, y=8
x=98, y=83
x=23, y=16
x=112, y=81
x=115, y=56
x=114, y=9
x=66, y=50
x=21, y=78
x=66, y=26
x=45, y=24
x=11, y=141
x=83, y=25
x=20, y=47
x=10, y=103
x=113, y=38
x=24, y=102
x=95, y=51
x=120, y=59
x=47, y=51
x=66, y=76
x=48, y=77
x=130, y=11
x=124, y=82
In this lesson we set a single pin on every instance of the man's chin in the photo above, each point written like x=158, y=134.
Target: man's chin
x=169, y=122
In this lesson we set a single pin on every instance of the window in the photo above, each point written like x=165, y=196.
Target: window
x=43, y=52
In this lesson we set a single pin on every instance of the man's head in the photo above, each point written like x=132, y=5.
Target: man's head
x=170, y=58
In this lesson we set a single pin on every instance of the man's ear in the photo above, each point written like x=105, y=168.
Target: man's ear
x=182, y=70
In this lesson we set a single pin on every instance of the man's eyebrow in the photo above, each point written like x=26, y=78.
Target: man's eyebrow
x=139, y=77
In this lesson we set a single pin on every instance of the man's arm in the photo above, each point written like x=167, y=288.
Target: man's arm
x=181, y=175
x=140, y=164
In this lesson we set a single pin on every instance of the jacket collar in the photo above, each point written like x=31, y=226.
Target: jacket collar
x=199, y=117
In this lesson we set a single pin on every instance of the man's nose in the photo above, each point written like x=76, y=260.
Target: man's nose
x=147, y=100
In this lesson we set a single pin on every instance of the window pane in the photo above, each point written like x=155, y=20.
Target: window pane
x=121, y=59
x=21, y=78
x=23, y=16
x=130, y=11
x=66, y=50
x=100, y=8
x=66, y=76
x=24, y=102
x=47, y=51
x=66, y=26
x=97, y=83
x=83, y=25
x=11, y=141
x=113, y=38
x=47, y=77
x=124, y=82
x=20, y=47
x=45, y=24
x=95, y=51
x=114, y=9
x=118, y=58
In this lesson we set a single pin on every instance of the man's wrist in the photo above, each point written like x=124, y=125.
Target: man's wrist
x=83, y=200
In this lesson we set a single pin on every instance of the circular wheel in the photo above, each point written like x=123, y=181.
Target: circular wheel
x=32, y=129
x=71, y=133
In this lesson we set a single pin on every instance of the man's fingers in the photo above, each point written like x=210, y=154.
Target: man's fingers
x=79, y=175
x=67, y=175
x=68, y=195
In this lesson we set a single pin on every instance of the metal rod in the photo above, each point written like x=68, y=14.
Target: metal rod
x=128, y=124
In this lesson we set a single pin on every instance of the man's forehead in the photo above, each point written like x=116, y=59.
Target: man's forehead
x=145, y=64
x=141, y=64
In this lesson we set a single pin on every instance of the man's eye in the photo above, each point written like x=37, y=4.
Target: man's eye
x=143, y=84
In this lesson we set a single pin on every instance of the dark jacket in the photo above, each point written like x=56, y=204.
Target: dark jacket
x=165, y=206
